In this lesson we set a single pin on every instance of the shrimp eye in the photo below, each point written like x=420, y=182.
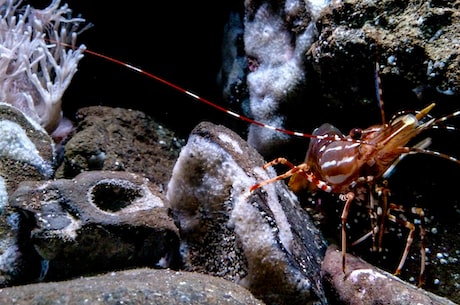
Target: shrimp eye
x=356, y=133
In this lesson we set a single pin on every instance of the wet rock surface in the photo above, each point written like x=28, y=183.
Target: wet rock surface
x=105, y=220
x=98, y=221
x=365, y=284
x=27, y=152
x=263, y=240
x=121, y=140
x=416, y=46
x=109, y=220
x=137, y=287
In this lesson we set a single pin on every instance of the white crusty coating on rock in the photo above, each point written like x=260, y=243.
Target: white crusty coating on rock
x=16, y=145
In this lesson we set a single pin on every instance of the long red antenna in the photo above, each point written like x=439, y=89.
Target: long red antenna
x=251, y=121
x=195, y=96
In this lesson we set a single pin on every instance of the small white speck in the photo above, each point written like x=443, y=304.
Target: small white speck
x=371, y=274
x=225, y=138
x=391, y=60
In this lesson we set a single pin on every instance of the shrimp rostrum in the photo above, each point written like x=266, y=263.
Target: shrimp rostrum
x=339, y=164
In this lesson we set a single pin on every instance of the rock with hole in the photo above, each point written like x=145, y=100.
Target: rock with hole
x=98, y=221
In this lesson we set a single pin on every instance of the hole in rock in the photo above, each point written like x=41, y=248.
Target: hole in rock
x=113, y=196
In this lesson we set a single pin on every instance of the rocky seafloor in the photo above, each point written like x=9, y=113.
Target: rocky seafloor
x=189, y=219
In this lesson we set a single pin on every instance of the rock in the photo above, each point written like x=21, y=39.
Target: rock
x=366, y=284
x=416, y=45
x=263, y=240
x=26, y=153
x=98, y=221
x=136, y=287
x=121, y=140
x=277, y=35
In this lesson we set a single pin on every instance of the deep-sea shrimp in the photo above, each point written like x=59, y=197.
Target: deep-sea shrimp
x=340, y=164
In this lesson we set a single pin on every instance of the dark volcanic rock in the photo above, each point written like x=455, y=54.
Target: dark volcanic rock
x=98, y=221
x=416, y=46
x=27, y=152
x=135, y=287
x=365, y=284
x=263, y=240
x=121, y=140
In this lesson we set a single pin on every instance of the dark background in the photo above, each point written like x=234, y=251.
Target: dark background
x=179, y=41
